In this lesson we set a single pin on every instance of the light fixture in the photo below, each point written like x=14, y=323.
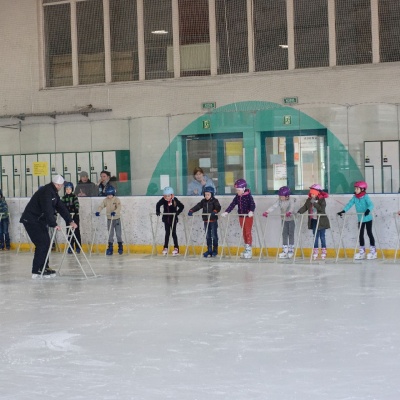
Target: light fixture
x=284, y=46
x=160, y=32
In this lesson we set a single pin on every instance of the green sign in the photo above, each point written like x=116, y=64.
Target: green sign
x=209, y=105
x=206, y=124
x=287, y=120
x=290, y=100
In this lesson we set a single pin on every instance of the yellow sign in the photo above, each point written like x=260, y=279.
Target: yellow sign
x=234, y=148
x=40, y=168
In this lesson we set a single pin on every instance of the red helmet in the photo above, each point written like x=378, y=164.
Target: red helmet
x=361, y=185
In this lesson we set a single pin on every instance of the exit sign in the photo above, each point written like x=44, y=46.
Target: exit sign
x=290, y=100
x=209, y=105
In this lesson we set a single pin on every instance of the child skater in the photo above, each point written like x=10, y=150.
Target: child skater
x=72, y=203
x=209, y=205
x=315, y=205
x=112, y=204
x=364, y=206
x=286, y=205
x=245, y=202
x=4, y=223
x=171, y=205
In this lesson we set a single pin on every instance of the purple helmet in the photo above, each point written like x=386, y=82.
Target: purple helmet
x=361, y=185
x=284, y=191
x=316, y=186
x=240, y=184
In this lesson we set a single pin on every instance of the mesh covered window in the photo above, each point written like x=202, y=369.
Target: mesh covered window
x=124, y=47
x=232, y=47
x=158, y=39
x=389, y=30
x=57, y=29
x=270, y=35
x=90, y=41
x=311, y=35
x=353, y=32
x=194, y=37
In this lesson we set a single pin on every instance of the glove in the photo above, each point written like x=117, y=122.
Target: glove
x=265, y=214
x=288, y=214
x=97, y=214
x=341, y=213
x=224, y=214
x=212, y=214
x=367, y=212
x=158, y=213
x=113, y=214
x=190, y=213
x=250, y=214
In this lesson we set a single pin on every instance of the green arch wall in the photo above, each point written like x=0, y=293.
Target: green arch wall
x=250, y=118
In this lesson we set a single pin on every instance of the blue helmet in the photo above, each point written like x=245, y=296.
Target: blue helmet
x=69, y=185
x=209, y=189
x=168, y=190
x=110, y=190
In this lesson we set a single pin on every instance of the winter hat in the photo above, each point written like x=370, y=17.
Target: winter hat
x=58, y=179
x=83, y=174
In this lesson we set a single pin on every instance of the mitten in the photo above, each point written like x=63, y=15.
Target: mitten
x=367, y=212
x=250, y=214
x=158, y=213
x=288, y=214
x=341, y=213
x=190, y=213
x=113, y=214
x=97, y=214
x=224, y=214
x=265, y=214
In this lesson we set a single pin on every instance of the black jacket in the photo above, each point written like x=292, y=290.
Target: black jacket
x=43, y=206
x=175, y=207
x=208, y=207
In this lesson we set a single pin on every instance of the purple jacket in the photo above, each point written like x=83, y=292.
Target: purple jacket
x=245, y=203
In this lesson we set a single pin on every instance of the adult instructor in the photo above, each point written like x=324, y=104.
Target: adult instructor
x=38, y=216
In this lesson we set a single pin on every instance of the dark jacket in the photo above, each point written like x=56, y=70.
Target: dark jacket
x=320, y=206
x=175, y=207
x=88, y=189
x=103, y=187
x=208, y=206
x=43, y=206
x=245, y=203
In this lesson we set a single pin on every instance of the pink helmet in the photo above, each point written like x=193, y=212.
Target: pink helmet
x=240, y=184
x=316, y=186
x=284, y=191
x=361, y=185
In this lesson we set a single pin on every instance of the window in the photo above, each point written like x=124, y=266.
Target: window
x=270, y=35
x=232, y=45
x=353, y=32
x=389, y=30
x=311, y=37
x=123, y=28
x=58, y=45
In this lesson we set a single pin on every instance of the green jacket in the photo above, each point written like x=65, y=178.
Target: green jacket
x=320, y=206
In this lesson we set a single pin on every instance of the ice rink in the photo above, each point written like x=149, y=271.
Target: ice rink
x=172, y=328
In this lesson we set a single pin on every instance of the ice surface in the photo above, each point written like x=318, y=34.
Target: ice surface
x=170, y=328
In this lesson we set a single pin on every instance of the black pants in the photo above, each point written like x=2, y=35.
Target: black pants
x=77, y=234
x=39, y=235
x=367, y=225
x=168, y=228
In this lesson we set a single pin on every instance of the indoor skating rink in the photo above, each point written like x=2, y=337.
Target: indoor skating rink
x=188, y=329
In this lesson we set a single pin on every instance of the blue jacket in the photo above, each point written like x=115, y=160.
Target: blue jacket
x=197, y=186
x=362, y=204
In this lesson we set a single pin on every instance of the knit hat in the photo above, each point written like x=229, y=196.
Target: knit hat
x=58, y=179
x=83, y=174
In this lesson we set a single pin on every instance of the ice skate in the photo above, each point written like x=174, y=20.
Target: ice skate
x=110, y=249
x=120, y=248
x=284, y=253
x=323, y=253
x=208, y=253
x=315, y=254
x=175, y=252
x=360, y=255
x=165, y=251
x=247, y=252
x=372, y=253
x=214, y=252
x=290, y=251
